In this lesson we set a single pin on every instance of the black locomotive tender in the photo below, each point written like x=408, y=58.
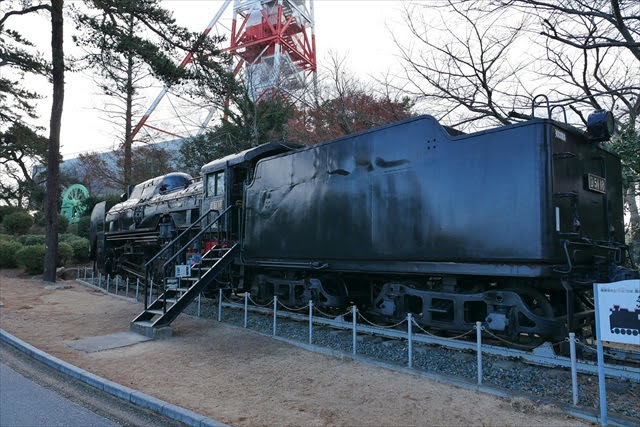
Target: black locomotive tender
x=509, y=226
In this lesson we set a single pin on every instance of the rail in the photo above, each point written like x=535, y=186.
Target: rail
x=196, y=237
x=542, y=355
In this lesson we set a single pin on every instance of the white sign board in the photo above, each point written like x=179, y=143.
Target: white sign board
x=183, y=270
x=618, y=311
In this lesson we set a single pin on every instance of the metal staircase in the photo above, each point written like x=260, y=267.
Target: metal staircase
x=198, y=273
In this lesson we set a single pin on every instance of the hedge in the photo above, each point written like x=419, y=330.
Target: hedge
x=8, y=250
x=7, y=210
x=17, y=223
x=31, y=258
x=80, y=249
x=65, y=253
x=32, y=239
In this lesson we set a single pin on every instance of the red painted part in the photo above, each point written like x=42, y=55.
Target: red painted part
x=139, y=126
x=215, y=244
x=187, y=59
x=247, y=43
x=164, y=131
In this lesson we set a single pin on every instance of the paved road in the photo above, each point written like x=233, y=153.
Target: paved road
x=33, y=394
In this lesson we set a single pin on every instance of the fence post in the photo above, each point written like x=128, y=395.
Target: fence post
x=78, y=275
x=85, y=272
x=199, y=299
x=117, y=284
x=100, y=280
x=574, y=372
x=137, y=287
x=275, y=314
x=479, y=349
x=354, y=312
x=220, y=305
x=246, y=308
x=410, y=338
x=310, y=322
x=92, y=277
x=126, y=294
x=108, y=280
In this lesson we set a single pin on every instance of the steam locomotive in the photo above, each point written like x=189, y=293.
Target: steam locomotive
x=509, y=226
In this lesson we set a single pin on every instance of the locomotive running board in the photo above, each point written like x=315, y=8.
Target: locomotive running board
x=145, y=323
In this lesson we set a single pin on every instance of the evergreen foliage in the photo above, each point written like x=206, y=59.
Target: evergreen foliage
x=17, y=223
x=31, y=258
x=8, y=250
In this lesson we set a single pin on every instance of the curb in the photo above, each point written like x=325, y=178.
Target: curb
x=136, y=397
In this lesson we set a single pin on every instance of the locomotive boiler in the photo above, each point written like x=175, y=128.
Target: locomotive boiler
x=509, y=226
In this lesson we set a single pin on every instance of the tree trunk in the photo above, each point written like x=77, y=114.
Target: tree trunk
x=128, y=140
x=53, y=156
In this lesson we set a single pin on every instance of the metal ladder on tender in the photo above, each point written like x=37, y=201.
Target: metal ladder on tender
x=179, y=292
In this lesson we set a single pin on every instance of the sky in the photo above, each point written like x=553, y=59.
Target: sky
x=359, y=30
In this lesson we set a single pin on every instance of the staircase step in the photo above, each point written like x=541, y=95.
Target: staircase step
x=182, y=296
x=144, y=323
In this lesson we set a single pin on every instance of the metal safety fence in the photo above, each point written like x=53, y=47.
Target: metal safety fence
x=413, y=332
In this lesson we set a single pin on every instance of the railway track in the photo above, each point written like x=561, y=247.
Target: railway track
x=543, y=355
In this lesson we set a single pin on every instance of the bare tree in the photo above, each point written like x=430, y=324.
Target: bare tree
x=346, y=104
x=464, y=64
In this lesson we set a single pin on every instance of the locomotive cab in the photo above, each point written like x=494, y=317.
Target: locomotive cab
x=224, y=183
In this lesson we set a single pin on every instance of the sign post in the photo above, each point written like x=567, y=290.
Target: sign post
x=617, y=307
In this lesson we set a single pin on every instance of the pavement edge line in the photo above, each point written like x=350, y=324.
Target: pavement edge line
x=138, y=398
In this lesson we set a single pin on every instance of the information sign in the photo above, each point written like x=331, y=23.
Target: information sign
x=618, y=311
x=183, y=270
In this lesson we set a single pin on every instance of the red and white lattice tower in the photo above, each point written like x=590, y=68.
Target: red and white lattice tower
x=274, y=48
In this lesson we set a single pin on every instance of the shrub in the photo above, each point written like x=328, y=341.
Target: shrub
x=7, y=238
x=17, y=223
x=8, y=250
x=65, y=253
x=63, y=224
x=83, y=225
x=67, y=238
x=80, y=249
x=33, y=239
x=7, y=210
x=31, y=258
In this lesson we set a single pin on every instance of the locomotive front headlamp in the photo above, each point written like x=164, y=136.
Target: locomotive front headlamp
x=600, y=125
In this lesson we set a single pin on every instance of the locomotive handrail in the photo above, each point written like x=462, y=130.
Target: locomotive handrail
x=171, y=245
x=533, y=105
x=168, y=245
x=186, y=245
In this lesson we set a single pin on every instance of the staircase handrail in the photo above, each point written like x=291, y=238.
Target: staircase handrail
x=170, y=244
x=186, y=245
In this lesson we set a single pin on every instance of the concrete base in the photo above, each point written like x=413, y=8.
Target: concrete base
x=106, y=342
x=146, y=329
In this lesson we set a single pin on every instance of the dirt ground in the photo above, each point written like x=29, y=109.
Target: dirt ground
x=241, y=378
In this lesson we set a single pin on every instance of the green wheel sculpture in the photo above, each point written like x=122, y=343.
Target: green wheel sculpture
x=74, y=202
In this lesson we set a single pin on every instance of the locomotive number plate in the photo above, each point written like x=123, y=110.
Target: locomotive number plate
x=596, y=183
